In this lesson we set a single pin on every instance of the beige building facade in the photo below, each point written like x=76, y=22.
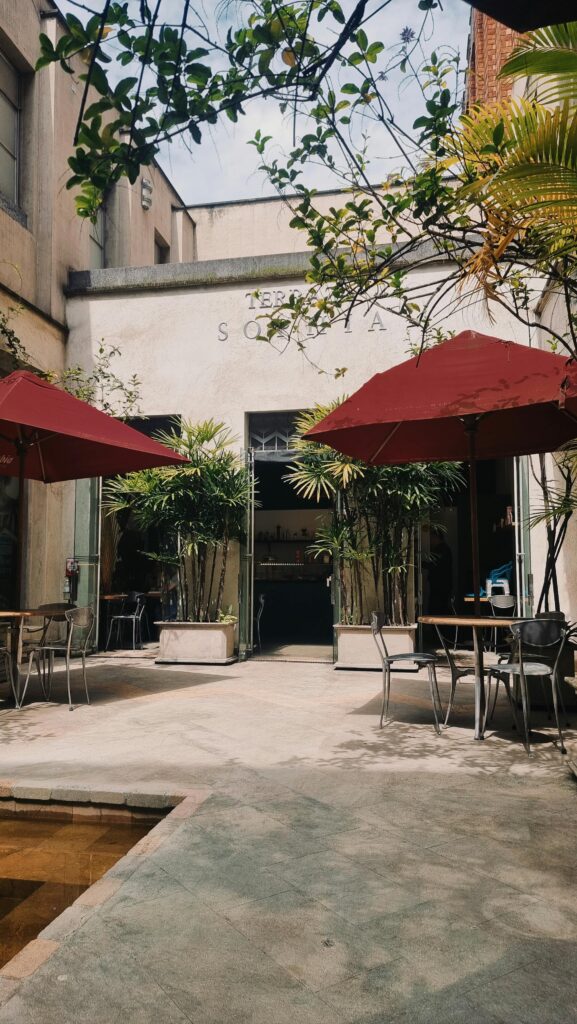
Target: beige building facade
x=42, y=240
x=190, y=333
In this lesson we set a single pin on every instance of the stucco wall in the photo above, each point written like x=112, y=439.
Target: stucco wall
x=259, y=227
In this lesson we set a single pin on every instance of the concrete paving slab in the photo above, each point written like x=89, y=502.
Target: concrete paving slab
x=324, y=871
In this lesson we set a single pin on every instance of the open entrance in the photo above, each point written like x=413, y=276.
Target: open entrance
x=446, y=559
x=292, y=596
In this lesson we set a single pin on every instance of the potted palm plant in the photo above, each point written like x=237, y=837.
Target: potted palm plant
x=377, y=511
x=196, y=509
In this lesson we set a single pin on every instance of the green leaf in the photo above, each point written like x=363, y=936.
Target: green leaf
x=361, y=40
x=99, y=79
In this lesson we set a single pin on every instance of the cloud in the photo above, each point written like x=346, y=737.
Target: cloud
x=225, y=166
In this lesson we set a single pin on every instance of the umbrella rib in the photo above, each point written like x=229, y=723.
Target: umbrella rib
x=41, y=460
x=385, y=442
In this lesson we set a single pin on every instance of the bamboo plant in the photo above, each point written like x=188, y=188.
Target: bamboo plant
x=377, y=512
x=197, y=508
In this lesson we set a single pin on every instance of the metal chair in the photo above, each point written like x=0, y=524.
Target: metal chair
x=53, y=612
x=258, y=617
x=79, y=629
x=132, y=612
x=539, y=638
x=419, y=658
x=502, y=604
x=457, y=672
x=6, y=655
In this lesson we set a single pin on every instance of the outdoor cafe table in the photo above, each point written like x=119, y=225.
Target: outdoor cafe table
x=17, y=619
x=477, y=624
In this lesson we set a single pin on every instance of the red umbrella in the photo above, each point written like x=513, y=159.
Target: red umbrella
x=47, y=434
x=472, y=397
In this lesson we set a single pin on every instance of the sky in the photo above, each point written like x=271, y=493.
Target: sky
x=224, y=167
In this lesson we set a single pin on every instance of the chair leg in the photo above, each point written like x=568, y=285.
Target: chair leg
x=21, y=696
x=451, y=699
x=562, y=701
x=45, y=673
x=497, y=680
x=134, y=633
x=525, y=704
x=433, y=686
x=70, y=707
x=386, y=693
x=436, y=682
x=554, y=687
x=110, y=628
x=10, y=674
x=84, y=676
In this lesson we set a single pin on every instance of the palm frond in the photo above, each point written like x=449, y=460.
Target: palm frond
x=549, y=56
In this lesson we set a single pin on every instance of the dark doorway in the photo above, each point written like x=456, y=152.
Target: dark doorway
x=291, y=587
x=446, y=545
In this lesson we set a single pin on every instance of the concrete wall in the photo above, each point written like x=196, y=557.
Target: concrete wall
x=189, y=332
x=257, y=227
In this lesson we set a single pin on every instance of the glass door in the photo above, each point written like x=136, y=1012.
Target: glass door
x=246, y=569
x=87, y=544
x=335, y=581
x=524, y=578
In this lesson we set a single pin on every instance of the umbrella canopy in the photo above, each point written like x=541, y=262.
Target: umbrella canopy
x=472, y=397
x=523, y=15
x=522, y=400
x=53, y=436
x=48, y=435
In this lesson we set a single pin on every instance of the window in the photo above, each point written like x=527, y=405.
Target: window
x=161, y=249
x=9, y=129
x=97, y=240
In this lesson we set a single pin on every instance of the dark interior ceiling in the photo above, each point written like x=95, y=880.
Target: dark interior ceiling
x=523, y=15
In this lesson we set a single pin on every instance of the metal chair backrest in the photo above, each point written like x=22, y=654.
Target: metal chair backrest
x=79, y=619
x=539, y=632
x=131, y=603
x=501, y=603
x=260, y=609
x=377, y=623
x=541, y=640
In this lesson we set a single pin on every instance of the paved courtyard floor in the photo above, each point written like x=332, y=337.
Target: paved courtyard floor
x=331, y=872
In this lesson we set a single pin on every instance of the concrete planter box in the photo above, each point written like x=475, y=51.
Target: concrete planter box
x=196, y=643
x=357, y=649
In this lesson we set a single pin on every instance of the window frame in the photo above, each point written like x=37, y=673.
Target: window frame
x=16, y=105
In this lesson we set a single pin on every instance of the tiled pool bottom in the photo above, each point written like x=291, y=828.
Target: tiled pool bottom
x=45, y=865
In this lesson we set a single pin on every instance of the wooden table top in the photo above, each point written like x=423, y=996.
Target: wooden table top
x=486, y=622
x=29, y=613
x=469, y=600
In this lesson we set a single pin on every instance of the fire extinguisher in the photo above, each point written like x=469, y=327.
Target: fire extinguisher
x=71, y=580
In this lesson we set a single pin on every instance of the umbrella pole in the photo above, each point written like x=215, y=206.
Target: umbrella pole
x=471, y=431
